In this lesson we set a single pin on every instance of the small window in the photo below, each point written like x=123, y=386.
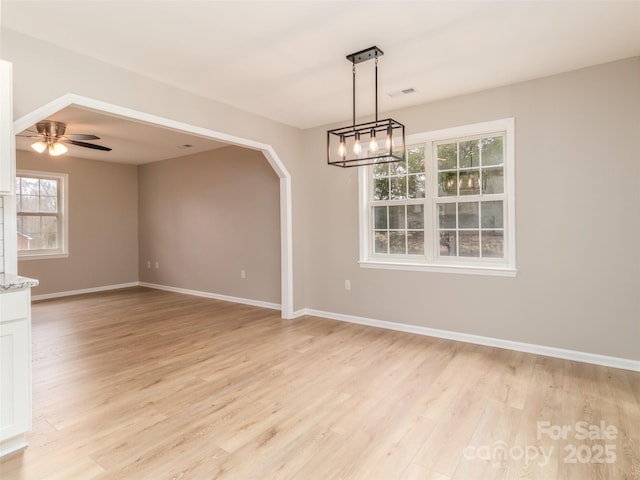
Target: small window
x=42, y=214
x=448, y=207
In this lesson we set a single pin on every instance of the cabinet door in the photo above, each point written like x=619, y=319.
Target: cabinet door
x=15, y=366
x=7, y=139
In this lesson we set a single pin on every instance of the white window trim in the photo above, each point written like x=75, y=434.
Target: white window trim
x=63, y=250
x=429, y=262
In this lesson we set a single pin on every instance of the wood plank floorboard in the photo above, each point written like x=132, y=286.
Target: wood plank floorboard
x=147, y=384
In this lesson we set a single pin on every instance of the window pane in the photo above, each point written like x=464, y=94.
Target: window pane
x=469, y=154
x=397, y=242
x=398, y=168
x=380, y=218
x=470, y=182
x=49, y=204
x=493, y=243
x=398, y=188
x=492, y=180
x=35, y=241
x=31, y=226
x=397, y=217
x=469, y=244
x=29, y=186
x=381, y=170
x=416, y=160
x=447, y=215
x=447, y=184
x=29, y=203
x=49, y=232
x=381, y=189
x=415, y=217
x=492, y=214
x=448, y=244
x=416, y=186
x=415, y=243
x=468, y=215
x=492, y=151
x=381, y=242
x=447, y=156
x=48, y=187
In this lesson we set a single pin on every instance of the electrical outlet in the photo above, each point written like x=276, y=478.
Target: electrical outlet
x=157, y=265
x=243, y=274
x=347, y=284
x=148, y=263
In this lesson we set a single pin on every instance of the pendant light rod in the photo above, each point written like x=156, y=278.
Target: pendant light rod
x=376, y=87
x=354, y=94
x=359, y=57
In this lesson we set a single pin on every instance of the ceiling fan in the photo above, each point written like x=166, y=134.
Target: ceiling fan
x=52, y=138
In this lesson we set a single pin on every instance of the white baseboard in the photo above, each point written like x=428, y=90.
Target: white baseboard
x=226, y=298
x=47, y=296
x=594, y=358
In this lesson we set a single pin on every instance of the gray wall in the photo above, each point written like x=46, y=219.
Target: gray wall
x=206, y=217
x=203, y=218
x=577, y=195
x=103, y=225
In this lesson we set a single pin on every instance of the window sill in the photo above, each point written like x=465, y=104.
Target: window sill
x=492, y=271
x=42, y=256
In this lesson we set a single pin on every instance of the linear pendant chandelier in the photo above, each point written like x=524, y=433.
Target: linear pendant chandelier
x=370, y=143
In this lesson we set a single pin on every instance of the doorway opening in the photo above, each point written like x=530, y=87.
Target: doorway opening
x=286, y=235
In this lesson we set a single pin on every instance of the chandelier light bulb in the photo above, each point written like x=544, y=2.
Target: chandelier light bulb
x=373, y=144
x=342, y=149
x=389, y=142
x=357, y=147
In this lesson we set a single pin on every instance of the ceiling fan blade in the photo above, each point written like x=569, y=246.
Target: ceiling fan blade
x=85, y=144
x=80, y=136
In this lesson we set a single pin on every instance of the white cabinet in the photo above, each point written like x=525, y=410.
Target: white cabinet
x=15, y=369
x=7, y=138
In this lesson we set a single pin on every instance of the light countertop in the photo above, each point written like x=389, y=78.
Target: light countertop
x=16, y=282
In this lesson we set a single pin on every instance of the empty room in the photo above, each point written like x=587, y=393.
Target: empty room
x=321, y=240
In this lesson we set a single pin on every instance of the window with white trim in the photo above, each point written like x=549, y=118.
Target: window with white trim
x=448, y=207
x=41, y=214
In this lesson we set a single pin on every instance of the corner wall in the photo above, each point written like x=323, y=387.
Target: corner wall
x=577, y=224
x=103, y=225
x=205, y=218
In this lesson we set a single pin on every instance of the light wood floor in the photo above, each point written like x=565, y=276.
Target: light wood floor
x=145, y=384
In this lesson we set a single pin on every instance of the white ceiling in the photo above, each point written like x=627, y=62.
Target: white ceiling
x=286, y=60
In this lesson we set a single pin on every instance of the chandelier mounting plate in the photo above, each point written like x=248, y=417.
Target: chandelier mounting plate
x=364, y=55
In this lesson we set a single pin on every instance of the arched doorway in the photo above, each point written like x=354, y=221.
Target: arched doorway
x=286, y=237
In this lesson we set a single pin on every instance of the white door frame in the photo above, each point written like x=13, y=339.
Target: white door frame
x=286, y=222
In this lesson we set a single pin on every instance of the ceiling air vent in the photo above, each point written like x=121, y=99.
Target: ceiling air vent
x=399, y=93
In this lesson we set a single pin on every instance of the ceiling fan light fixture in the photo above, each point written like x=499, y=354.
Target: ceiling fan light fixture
x=57, y=149
x=39, y=146
x=53, y=138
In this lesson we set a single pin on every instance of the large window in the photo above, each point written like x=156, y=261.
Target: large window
x=448, y=206
x=42, y=214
